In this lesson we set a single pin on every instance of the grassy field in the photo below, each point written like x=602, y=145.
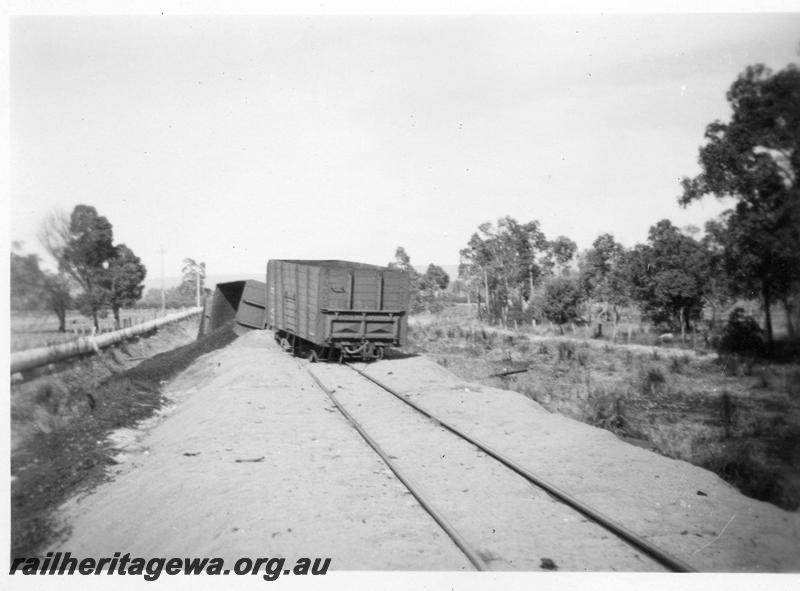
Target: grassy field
x=32, y=330
x=738, y=417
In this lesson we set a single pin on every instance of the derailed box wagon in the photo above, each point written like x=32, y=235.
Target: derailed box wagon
x=337, y=309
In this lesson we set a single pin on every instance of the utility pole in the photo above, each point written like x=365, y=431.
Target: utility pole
x=197, y=278
x=163, y=296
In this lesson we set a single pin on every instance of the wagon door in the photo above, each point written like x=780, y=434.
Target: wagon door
x=366, y=289
x=356, y=307
x=354, y=289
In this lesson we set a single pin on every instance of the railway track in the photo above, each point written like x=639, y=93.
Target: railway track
x=499, y=514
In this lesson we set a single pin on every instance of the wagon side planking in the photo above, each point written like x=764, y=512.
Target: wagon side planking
x=337, y=309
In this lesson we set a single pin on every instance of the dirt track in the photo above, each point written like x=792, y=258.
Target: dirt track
x=251, y=459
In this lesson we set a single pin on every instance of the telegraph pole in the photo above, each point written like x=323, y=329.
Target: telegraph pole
x=163, y=296
x=197, y=277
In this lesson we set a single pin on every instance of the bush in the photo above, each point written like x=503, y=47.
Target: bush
x=651, y=379
x=741, y=335
x=561, y=298
x=566, y=351
x=749, y=470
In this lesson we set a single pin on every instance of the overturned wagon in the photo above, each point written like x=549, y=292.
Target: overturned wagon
x=336, y=309
x=242, y=302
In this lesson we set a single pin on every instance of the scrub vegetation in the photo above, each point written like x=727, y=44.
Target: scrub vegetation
x=736, y=415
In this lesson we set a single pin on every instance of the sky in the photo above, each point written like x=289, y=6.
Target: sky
x=237, y=139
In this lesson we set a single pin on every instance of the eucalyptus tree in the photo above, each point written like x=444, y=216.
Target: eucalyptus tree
x=755, y=160
x=669, y=276
x=108, y=275
x=123, y=281
x=506, y=261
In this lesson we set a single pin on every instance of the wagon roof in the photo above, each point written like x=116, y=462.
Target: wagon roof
x=337, y=264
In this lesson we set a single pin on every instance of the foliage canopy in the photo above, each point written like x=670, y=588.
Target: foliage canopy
x=755, y=159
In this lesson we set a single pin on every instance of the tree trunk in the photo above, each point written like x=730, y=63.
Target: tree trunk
x=589, y=312
x=713, y=318
x=486, y=291
x=789, y=309
x=615, y=319
x=95, y=321
x=530, y=277
x=683, y=325
x=115, y=309
x=62, y=319
x=765, y=291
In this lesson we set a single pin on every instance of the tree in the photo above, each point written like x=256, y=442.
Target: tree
x=559, y=253
x=31, y=288
x=26, y=282
x=194, y=279
x=59, y=296
x=755, y=159
x=403, y=262
x=54, y=234
x=720, y=281
x=668, y=276
x=173, y=298
x=434, y=280
x=85, y=257
x=123, y=281
x=506, y=262
x=474, y=265
x=604, y=277
x=430, y=286
x=83, y=246
x=562, y=296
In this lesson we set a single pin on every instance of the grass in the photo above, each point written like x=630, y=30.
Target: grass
x=31, y=330
x=651, y=379
x=739, y=417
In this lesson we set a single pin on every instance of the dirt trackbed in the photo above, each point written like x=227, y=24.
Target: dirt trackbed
x=250, y=458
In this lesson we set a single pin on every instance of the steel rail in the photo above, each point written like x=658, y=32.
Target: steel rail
x=617, y=529
x=437, y=516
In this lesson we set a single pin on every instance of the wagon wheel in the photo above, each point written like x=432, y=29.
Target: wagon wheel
x=379, y=353
x=341, y=356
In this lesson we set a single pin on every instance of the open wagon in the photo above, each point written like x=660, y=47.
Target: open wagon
x=336, y=309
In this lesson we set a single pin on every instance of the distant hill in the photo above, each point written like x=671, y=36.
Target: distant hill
x=212, y=280
x=451, y=270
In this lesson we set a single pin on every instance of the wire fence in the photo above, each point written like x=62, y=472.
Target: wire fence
x=31, y=330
